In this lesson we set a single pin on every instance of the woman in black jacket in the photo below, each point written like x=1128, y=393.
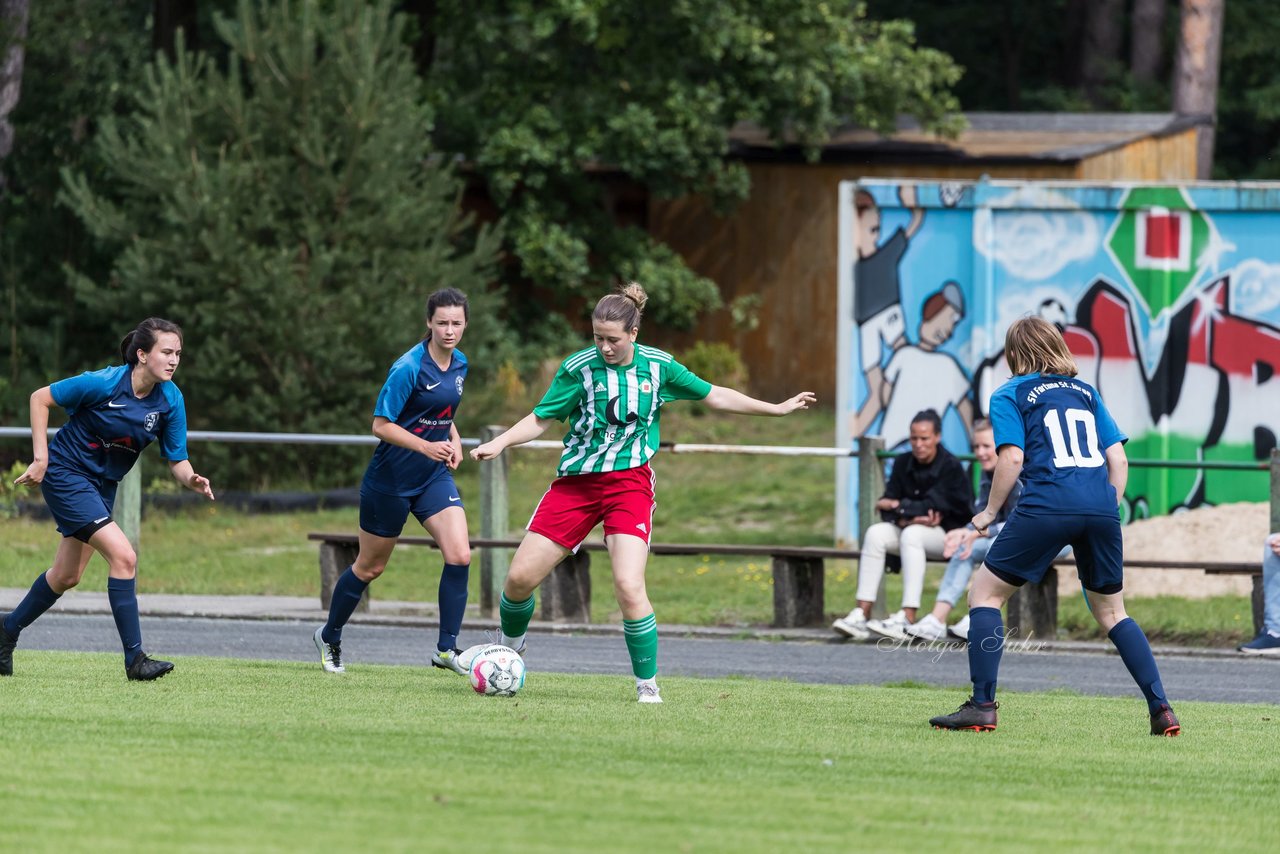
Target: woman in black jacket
x=928, y=494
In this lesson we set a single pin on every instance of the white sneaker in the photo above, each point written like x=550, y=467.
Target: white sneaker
x=893, y=626
x=852, y=626
x=330, y=654
x=647, y=692
x=960, y=629
x=929, y=629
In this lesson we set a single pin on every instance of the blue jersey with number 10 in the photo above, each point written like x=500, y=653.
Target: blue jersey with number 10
x=1063, y=429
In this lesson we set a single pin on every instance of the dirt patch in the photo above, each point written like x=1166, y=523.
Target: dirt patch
x=1227, y=532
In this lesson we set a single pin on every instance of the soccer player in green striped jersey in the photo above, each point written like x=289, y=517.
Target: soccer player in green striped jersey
x=612, y=396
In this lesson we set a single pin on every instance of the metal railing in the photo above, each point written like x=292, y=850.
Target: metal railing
x=493, y=477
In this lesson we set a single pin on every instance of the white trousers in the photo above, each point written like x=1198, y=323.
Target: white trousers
x=916, y=544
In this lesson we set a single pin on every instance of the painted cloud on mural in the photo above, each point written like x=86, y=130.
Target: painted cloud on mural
x=1255, y=287
x=1035, y=233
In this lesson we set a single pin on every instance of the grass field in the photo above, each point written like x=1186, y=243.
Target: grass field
x=259, y=756
x=700, y=499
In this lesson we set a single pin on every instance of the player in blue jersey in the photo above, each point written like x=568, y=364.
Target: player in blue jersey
x=411, y=473
x=1054, y=431
x=114, y=414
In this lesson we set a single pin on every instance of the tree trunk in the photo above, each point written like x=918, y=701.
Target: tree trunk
x=1011, y=50
x=1146, y=50
x=424, y=45
x=1071, y=58
x=1195, y=78
x=169, y=16
x=1103, y=35
x=13, y=28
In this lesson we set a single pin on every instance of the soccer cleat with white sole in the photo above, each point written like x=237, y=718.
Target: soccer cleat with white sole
x=330, y=654
x=450, y=659
x=647, y=692
x=928, y=629
x=497, y=638
x=852, y=626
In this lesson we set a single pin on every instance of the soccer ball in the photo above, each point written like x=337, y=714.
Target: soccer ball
x=497, y=670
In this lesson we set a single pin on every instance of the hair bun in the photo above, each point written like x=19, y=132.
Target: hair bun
x=634, y=291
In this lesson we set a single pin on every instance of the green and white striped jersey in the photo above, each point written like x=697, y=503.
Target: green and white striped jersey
x=613, y=410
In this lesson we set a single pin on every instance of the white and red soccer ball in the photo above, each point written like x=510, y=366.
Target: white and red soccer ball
x=497, y=671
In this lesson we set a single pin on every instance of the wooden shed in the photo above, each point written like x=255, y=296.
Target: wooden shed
x=780, y=245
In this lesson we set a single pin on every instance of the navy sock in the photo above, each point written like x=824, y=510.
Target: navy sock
x=346, y=596
x=453, y=603
x=1136, y=654
x=39, y=598
x=122, y=593
x=986, y=645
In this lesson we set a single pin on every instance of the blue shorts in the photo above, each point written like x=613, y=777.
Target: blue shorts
x=1028, y=544
x=384, y=515
x=76, y=501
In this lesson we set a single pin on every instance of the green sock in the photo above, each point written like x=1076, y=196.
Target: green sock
x=515, y=616
x=642, y=644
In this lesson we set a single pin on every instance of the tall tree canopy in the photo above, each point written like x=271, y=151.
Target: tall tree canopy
x=541, y=98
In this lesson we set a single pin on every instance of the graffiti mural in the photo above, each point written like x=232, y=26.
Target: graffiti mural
x=1169, y=298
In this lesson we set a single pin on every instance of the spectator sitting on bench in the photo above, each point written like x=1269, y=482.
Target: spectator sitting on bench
x=1268, y=640
x=965, y=547
x=928, y=494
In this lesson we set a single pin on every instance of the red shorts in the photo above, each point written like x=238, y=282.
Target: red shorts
x=576, y=503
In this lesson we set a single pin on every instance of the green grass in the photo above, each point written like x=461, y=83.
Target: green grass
x=701, y=498
x=265, y=756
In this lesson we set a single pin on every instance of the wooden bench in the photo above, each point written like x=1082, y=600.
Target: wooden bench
x=1207, y=567
x=798, y=580
x=798, y=574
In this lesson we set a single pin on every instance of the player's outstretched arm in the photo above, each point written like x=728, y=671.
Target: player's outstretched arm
x=41, y=402
x=525, y=430
x=184, y=474
x=730, y=400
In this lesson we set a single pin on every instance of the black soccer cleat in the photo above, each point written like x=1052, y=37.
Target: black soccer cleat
x=146, y=669
x=1165, y=722
x=7, y=643
x=969, y=716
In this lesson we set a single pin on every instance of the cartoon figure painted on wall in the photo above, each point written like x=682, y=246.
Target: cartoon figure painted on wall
x=1169, y=298
x=877, y=305
x=903, y=394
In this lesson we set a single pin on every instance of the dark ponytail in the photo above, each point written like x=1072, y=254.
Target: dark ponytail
x=143, y=337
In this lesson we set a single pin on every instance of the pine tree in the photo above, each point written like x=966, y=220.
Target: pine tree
x=288, y=212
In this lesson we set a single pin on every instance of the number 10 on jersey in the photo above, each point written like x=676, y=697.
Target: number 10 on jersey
x=1077, y=421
